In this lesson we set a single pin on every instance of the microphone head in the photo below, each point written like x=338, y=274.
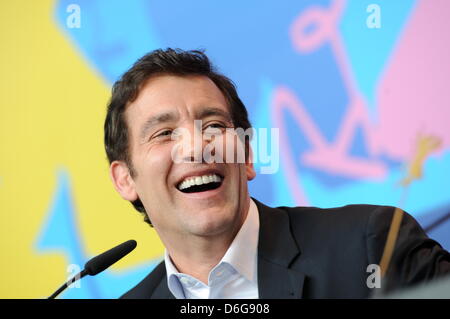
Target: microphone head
x=106, y=259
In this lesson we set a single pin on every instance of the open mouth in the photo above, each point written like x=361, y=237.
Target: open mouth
x=196, y=184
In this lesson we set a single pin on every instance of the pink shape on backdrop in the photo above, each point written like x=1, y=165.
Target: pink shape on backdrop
x=330, y=156
x=414, y=93
x=412, y=96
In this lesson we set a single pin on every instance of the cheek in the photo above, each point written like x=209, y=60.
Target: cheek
x=154, y=165
x=232, y=149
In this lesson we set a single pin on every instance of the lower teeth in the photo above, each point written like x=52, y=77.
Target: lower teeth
x=201, y=188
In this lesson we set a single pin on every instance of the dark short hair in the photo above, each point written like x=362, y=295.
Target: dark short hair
x=127, y=88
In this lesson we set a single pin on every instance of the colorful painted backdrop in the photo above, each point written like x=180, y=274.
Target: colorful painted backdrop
x=358, y=89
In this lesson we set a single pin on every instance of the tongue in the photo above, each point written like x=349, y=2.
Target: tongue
x=201, y=188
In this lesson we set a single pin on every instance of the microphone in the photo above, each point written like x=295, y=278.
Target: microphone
x=99, y=263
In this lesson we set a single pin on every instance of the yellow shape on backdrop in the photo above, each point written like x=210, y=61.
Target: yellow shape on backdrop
x=52, y=112
x=425, y=146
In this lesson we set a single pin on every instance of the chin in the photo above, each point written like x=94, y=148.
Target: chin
x=210, y=225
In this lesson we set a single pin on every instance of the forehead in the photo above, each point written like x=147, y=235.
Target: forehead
x=183, y=95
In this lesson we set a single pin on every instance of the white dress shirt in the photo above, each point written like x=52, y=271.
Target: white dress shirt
x=235, y=276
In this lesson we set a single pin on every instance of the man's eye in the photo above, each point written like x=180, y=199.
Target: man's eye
x=165, y=133
x=215, y=125
x=213, y=129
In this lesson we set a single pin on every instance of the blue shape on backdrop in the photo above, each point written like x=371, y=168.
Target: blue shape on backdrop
x=113, y=33
x=60, y=234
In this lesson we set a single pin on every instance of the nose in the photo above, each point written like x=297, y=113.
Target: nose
x=190, y=144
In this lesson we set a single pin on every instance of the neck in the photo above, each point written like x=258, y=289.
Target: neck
x=198, y=255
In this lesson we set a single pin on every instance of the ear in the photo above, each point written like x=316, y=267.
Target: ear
x=250, y=170
x=122, y=180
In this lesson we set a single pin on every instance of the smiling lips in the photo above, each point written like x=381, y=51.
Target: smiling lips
x=201, y=183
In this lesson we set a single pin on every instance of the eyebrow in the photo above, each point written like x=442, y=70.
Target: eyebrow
x=155, y=120
x=213, y=111
x=171, y=117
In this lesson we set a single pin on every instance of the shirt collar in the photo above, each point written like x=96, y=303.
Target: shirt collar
x=172, y=279
x=241, y=255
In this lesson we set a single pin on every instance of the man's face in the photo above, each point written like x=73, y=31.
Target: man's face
x=167, y=103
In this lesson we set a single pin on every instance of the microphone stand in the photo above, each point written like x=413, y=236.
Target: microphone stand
x=78, y=276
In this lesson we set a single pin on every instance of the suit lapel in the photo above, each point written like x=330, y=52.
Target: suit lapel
x=278, y=282
x=276, y=251
x=162, y=290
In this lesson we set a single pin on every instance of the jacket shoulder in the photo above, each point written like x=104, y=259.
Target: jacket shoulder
x=361, y=229
x=356, y=215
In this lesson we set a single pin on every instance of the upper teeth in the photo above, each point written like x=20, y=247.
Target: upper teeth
x=199, y=180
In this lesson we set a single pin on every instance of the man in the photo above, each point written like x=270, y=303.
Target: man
x=221, y=243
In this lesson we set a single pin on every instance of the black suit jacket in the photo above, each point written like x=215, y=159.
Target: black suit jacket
x=307, y=252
